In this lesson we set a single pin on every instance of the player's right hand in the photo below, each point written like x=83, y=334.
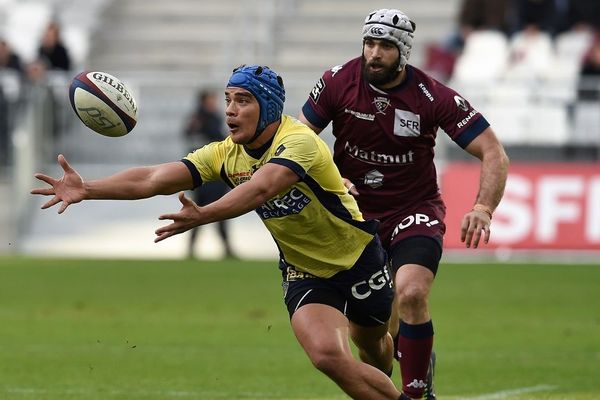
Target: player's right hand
x=68, y=189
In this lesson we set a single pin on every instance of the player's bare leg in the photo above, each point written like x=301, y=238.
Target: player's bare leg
x=323, y=332
x=375, y=346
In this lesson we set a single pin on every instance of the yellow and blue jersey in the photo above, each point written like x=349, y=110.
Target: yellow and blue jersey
x=316, y=224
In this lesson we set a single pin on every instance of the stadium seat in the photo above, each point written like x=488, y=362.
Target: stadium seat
x=531, y=55
x=548, y=124
x=484, y=57
x=572, y=45
x=586, y=122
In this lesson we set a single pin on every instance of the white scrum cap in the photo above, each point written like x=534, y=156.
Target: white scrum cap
x=394, y=26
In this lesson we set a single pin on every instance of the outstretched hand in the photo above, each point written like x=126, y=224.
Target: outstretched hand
x=68, y=189
x=187, y=218
x=473, y=223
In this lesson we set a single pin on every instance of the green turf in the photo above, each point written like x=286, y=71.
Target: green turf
x=99, y=329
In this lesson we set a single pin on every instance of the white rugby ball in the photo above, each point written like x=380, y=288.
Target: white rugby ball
x=103, y=103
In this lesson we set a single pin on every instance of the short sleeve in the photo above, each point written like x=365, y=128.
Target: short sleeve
x=207, y=162
x=458, y=118
x=319, y=108
x=297, y=152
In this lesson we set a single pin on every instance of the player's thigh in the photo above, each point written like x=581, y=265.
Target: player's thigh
x=419, y=250
x=322, y=331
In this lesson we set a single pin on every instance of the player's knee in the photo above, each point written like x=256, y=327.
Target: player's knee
x=327, y=361
x=412, y=296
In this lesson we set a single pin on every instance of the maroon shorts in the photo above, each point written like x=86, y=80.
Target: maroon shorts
x=424, y=219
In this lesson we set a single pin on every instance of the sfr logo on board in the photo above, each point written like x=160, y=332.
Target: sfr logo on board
x=545, y=206
x=549, y=209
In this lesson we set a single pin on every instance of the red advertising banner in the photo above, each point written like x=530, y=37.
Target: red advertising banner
x=545, y=205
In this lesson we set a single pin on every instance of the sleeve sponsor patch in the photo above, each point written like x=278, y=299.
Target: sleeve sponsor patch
x=316, y=91
x=461, y=103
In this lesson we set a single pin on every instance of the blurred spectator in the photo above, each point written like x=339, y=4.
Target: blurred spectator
x=585, y=12
x=531, y=54
x=205, y=125
x=539, y=14
x=589, y=88
x=484, y=15
x=52, y=51
x=9, y=59
x=591, y=65
x=474, y=15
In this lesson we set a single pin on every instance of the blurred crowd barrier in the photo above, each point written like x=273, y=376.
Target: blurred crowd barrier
x=538, y=103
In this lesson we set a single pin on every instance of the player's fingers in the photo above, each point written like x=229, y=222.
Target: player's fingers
x=168, y=216
x=184, y=199
x=469, y=238
x=162, y=236
x=476, y=236
x=55, y=200
x=48, y=179
x=64, y=164
x=464, y=228
x=351, y=187
x=43, y=191
x=487, y=234
x=63, y=207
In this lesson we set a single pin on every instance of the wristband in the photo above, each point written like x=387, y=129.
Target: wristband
x=483, y=208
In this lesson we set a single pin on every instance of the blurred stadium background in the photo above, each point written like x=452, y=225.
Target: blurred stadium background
x=547, y=116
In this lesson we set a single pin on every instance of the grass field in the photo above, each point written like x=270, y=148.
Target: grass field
x=113, y=329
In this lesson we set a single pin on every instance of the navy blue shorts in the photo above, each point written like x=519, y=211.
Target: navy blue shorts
x=363, y=293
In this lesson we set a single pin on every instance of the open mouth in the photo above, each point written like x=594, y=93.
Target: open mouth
x=232, y=127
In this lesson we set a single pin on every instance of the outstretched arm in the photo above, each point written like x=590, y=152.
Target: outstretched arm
x=130, y=184
x=266, y=182
x=492, y=180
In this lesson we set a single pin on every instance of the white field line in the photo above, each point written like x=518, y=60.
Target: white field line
x=501, y=395
x=505, y=394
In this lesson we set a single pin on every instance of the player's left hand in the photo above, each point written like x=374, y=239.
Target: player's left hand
x=187, y=218
x=351, y=187
x=473, y=223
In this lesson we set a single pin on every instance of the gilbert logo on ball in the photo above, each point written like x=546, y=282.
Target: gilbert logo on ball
x=103, y=103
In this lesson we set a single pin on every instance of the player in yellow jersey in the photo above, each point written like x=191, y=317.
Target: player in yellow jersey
x=336, y=284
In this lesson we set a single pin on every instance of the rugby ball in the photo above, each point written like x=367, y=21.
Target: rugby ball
x=103, y=103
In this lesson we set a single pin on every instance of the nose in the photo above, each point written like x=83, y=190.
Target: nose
x=376, y=52
x=230, y=108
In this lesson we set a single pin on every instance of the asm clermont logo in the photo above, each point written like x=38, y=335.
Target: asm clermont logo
x=381, y=103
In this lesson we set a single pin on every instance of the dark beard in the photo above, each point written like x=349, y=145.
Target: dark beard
x=380, y=78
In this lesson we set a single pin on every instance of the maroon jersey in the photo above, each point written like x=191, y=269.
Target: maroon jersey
x=385, y=141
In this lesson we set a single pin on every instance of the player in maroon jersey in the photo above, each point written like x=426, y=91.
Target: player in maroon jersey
x=385, y=115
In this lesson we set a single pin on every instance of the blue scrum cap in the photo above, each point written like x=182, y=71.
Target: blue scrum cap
x=266, y=86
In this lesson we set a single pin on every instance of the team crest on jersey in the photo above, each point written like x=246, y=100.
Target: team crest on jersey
x=461, y=103
x=381, y=103
x=316, y=91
